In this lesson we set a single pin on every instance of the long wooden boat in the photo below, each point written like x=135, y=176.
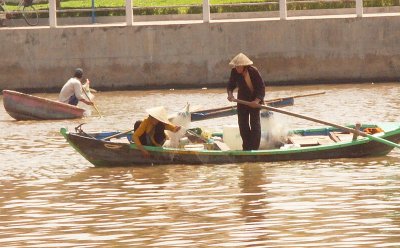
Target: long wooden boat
x=305, y=144
x=200, y=115
x=22, y=106
x=232, y=110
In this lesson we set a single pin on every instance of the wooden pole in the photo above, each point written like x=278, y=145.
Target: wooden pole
x=357, y=127
x=266, y=101
x=94, y=105
x=117, y=135
x=351, y=130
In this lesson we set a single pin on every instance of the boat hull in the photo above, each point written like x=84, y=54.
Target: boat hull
x=22, y=106
x=106, y=153
x=232, y=110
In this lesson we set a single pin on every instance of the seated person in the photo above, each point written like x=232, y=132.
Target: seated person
x=150, y=131
x=72, y=91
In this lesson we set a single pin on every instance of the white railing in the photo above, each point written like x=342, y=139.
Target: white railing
x=282, y=9
x=206, y=11
x=359, y=8
x=52, y=14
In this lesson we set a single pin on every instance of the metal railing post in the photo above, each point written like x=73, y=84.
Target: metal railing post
x=359, y=8
x=52, y=13
x=129, y=12
x=282, y=9
x=206, y=10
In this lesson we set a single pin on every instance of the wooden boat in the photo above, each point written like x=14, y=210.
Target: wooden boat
x=305, y=144
x=232, y=110
x=22, y=106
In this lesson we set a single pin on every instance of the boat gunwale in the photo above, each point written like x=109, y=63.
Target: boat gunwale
x=278, y=151
x=22, y=107
x=20, y=94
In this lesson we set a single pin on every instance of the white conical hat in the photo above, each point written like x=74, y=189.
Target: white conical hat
x=159, y=113
x=240, y=60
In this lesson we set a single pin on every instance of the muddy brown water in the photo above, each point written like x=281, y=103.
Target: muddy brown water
x=52, y=197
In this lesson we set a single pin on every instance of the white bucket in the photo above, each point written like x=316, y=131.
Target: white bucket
x=231, y=137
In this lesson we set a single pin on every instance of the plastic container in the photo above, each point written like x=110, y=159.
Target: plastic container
x=231, y=137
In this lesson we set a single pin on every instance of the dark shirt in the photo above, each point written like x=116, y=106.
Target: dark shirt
x=236, y=80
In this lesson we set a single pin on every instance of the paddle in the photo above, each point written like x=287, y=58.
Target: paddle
x=292, y=97
x=118, y=135
x=271, y=101
x=351, y=130
x=94, y=105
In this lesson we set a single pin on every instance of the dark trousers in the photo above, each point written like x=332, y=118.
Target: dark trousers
x=73, y=100
x=249, y=126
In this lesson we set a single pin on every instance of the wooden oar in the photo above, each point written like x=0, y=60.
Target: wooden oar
x=94, y=105
x=297, y=96
x=351, y=130
x=117, y=135
x=266, y=102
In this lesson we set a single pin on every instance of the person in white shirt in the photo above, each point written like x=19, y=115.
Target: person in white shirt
x=72, y=91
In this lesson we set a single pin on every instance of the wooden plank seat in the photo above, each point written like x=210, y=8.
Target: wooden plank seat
x=312, y=140
x=315, y=140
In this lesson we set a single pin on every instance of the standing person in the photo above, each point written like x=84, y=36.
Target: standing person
x=151, y=131
x=251, y=88
x=72, y=91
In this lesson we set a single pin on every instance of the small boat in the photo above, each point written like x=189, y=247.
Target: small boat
x=200, y=115
x=22, y=106
x=301, y=144
x=232, y=110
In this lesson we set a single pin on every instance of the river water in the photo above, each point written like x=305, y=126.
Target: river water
x=50, y=196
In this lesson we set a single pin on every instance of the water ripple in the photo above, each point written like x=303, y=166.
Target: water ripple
x=52, y=197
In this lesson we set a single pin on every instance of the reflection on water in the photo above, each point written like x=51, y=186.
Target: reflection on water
x=52, y=197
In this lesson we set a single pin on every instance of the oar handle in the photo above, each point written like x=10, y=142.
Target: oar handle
x=351, y=130
x=274, y=100
x=117, y=135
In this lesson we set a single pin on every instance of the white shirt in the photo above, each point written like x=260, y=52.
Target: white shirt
x=71, y=87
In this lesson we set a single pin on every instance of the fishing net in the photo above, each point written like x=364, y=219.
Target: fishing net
x=274, y=131
x=181, y=119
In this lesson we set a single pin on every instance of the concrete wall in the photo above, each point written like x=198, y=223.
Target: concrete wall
x=194, y=54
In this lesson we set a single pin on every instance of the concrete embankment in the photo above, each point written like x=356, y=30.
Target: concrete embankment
x=193, y=54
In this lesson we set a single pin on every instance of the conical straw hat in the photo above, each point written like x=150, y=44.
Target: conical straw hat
x=240, y=60
x=159, y=113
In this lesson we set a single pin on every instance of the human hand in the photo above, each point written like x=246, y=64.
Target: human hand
x=177, y=128
x=255, y=103
x=231, y=98
x=145, y=154
x=87, y=102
